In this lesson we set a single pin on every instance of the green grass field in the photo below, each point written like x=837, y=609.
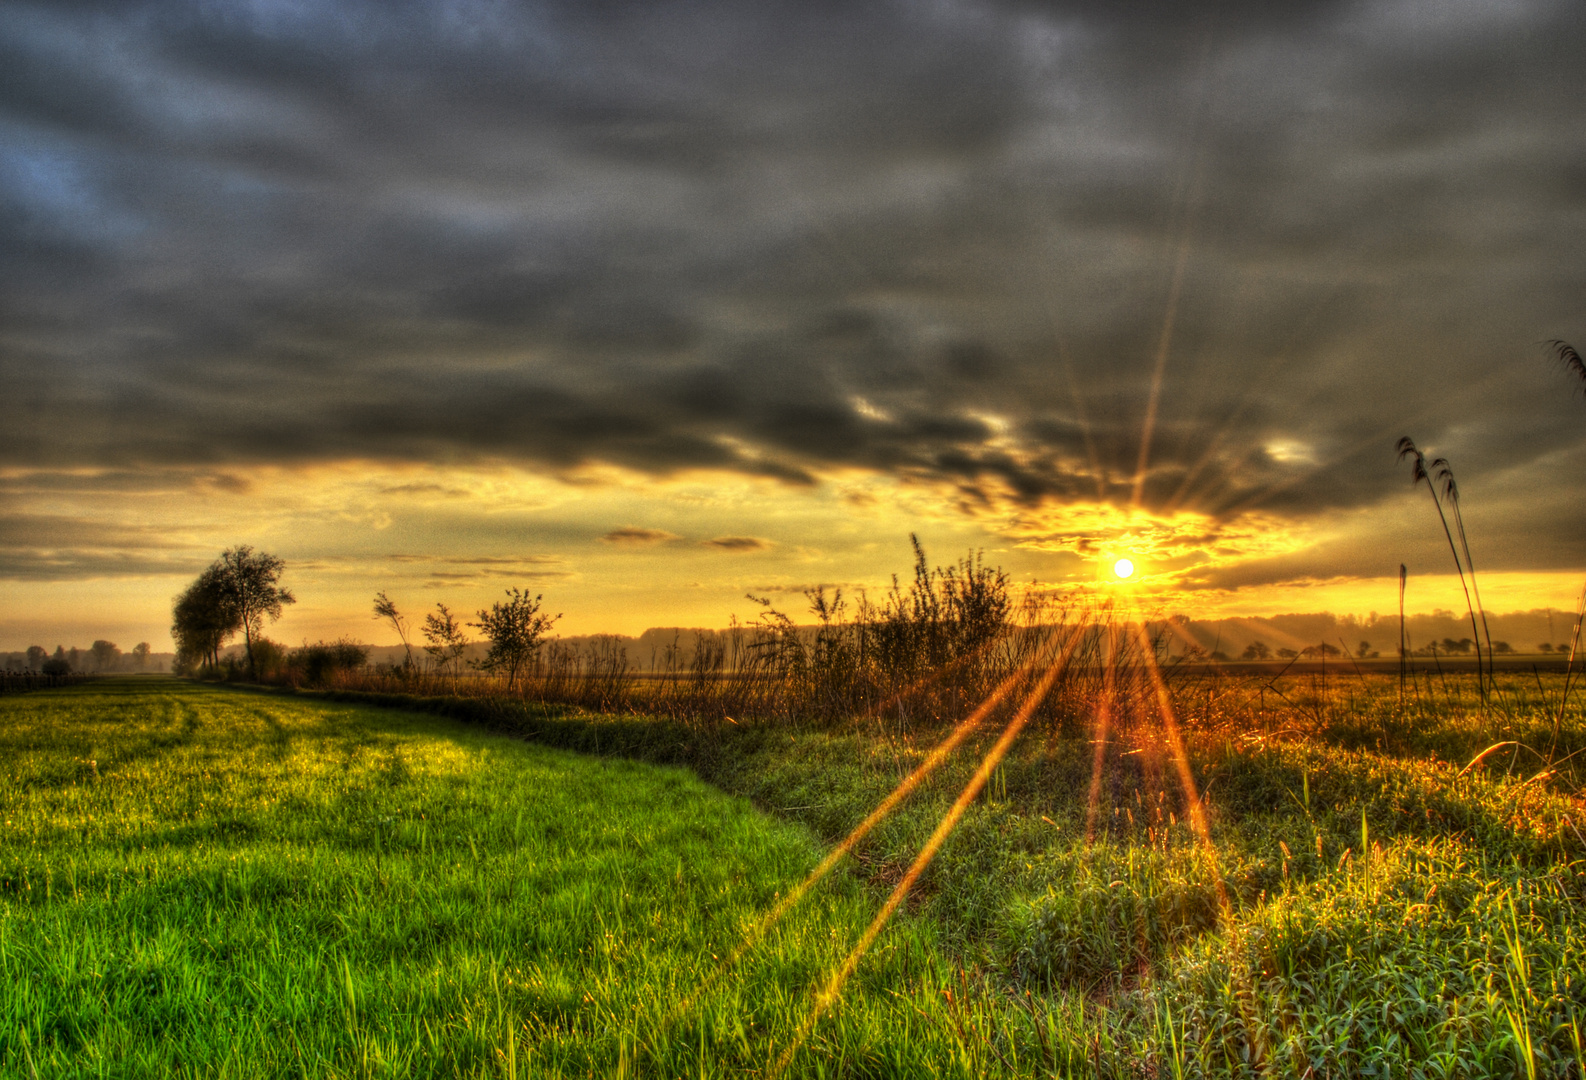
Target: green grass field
x=203, y=882
x=227, y=882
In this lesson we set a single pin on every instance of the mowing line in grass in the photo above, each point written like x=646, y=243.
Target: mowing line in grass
x=829, y=994
x=963, y=730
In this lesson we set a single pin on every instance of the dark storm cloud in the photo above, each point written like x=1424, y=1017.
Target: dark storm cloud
x=55, y=547
x=58, y=531
x=938, y=241
x=67, y=564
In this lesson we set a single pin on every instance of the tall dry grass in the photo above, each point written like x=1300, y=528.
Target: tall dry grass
x=927, y=652
x=1432, y=474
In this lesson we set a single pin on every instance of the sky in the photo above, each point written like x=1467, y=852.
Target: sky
x=648, y=306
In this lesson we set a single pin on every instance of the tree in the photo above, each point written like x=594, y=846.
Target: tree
x=236, y=592
x=203, y=617
x=37, y=655
x=515, y=629
x=446, y=638
x=253, y=581
x=105, y=654
x=1256, y=650
x=385, y=608
x=140, y=655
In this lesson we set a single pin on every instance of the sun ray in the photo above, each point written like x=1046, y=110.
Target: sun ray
x=1098, y=472
x=1100, y=732
x=833, y=989
x=1164, y=346
x=962, y=731
x=1381, y=437
x=1195, y=812
x=935, y=675
x=1249, y=397
x=1194, y=809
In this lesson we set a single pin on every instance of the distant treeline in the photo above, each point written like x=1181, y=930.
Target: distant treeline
x=1539, y=631
x=925, y=648
x=666, y=648
x=101, y=658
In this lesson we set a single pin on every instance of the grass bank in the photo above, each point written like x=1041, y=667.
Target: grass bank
x=1358, y=902
x=196, y=881
x=1364, y=901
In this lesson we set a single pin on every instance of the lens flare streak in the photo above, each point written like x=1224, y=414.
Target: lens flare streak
x=828, y=996
x=1101, y=730
x=965, y=728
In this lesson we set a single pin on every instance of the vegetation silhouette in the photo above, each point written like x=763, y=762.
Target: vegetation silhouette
x=515, y=628
x=386, y=609
x=237, y=593
x=1421, y=472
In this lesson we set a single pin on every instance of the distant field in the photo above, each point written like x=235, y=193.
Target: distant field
x=196, y=881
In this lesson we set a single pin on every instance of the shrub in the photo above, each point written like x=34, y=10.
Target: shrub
x=269, y=657
x=319, y=663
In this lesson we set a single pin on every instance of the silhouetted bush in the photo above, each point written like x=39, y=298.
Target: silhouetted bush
x=319, y=664
x=928, y=651
x=269, y=657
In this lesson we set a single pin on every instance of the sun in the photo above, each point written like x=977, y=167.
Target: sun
x=1123, y=568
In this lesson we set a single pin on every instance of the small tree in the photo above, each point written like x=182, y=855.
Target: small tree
x=385, y=608
x=105, y=654
x=37, y=654
x=203, y=616
x=1256, y=650
x=140, y=655
x=253, y=582
x=514, y=629
x=446, y=638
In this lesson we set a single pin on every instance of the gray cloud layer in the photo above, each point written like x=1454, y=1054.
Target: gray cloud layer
x=938, y=240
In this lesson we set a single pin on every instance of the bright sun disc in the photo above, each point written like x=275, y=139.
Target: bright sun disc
x=1123, y=568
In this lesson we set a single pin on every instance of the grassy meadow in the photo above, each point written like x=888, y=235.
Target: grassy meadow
x=207, y=882
x=225, y=881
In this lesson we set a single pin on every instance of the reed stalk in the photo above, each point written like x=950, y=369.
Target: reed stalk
x=1445, y=475
x=1418, y=474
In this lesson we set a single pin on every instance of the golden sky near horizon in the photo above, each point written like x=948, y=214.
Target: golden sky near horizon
x=646, y=307
x=620, y=553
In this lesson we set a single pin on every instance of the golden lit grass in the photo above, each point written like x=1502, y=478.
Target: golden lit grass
x=1344, y=895
x=202, y=882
